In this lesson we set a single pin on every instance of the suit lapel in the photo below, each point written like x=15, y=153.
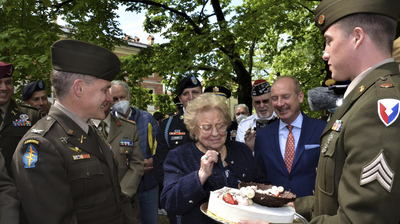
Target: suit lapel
x=305, y=134
x=275, y=145
x=11, y=114
x=114, y=130
x=76, y=136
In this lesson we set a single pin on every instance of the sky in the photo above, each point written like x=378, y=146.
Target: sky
x=131, y=24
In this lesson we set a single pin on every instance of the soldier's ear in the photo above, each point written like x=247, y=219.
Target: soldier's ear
x=78, y=88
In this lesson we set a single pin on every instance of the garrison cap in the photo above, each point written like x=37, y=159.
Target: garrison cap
x=219, y=91
x=32, y=87
x=187, y=82
x=396, y=50
x=6, y=70
x=330, y=11
x=260, y=87
x=84, y=58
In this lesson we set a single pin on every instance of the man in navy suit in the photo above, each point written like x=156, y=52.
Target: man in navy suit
x=289, y=155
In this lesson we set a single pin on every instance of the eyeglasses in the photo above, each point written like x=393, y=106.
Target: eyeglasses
x=207, y=128
x=258, y=102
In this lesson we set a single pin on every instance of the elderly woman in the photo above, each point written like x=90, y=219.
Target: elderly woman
x=192, y=170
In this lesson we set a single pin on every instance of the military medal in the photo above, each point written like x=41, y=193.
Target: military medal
x=81, y=156
x=126, y=143
x=337, y=125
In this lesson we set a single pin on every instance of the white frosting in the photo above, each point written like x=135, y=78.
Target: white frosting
x=235, y=213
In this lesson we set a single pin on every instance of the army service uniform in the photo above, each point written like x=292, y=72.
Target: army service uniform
x=123, y=137
x=18, y=119
x=65, y=175
x=357, y=178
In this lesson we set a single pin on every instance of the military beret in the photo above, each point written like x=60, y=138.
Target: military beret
x=260, y=87
x=84, y=58
x=6, y=70
x=219, y=91
x=32, y=87
x=330, y=11
x=396, y=50
x=187, y=82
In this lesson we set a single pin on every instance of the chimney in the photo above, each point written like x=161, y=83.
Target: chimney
x=150, y=39
x=137, y=39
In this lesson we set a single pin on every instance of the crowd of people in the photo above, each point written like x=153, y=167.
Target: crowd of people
x=94, y=158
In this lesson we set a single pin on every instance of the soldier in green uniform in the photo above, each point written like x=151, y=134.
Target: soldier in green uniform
x=15, y=118
x=357, y=178
x=9, y=212
x=64, y=171
x=123, y=136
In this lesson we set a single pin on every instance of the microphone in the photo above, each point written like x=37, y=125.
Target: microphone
x=324, y=98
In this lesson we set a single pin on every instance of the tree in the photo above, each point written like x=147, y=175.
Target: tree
x=27, y=32
x=232, y=45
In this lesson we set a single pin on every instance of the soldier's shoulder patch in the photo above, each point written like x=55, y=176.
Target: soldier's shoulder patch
x=388, y=110
x=32, y=141
x=30, y=157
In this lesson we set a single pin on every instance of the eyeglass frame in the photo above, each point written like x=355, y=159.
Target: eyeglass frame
x=212, y=127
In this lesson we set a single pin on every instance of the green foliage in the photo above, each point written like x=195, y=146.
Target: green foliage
x=165, y=103
x=231, y=46
x=26, y=34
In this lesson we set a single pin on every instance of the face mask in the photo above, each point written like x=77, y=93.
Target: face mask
x=122, y=106
x=240, y=118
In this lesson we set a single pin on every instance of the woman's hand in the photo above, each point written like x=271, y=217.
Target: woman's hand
x=206, y=165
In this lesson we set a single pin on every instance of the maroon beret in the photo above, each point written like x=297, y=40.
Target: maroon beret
x=6, y=70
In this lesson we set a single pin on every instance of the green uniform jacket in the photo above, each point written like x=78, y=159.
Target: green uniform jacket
x=64, y=175
x=9, y=202
x=357, y=178
x=10, y=133
x=125, y=143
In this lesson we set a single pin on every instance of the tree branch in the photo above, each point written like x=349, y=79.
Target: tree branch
x=184, y=15
x=60, y=5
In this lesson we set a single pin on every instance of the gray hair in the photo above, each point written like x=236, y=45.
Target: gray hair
x=205, y=102
x=242, y=105
x=62, y=82
x=123, y=84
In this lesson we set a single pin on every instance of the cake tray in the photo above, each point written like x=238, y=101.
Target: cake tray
x=204, y=208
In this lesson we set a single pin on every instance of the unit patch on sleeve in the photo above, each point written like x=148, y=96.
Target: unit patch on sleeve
x=30, y=157
x=378, y=169
x=388, y=110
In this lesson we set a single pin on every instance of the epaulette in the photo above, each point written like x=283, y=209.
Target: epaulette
x=27, y=106
x=127, y=120
x=43, y=126
x=169, y=115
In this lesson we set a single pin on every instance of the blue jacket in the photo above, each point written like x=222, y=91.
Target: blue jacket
x=183, y=193
x=142, y=119
x=301, y=179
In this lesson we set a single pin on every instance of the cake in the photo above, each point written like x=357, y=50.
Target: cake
x=232, y=205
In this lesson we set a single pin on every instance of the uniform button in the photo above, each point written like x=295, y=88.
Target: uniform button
x=49, y=118
x=383, y=78
x=176, y=143
x=290, y=178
